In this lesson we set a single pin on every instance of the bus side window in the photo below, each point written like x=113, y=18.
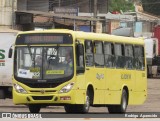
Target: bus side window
x=89, y=53
x=139, y=62
x=109, y=54
x=129, y=56
x=98, y=56
x=119, y=55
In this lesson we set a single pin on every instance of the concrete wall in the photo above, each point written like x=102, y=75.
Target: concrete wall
x=21, y=4
x=38, y=5
x=6, y=12
x=85, y=6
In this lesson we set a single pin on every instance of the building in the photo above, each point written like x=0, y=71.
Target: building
x=83, y=8
x=84, y=15
x=7, y=8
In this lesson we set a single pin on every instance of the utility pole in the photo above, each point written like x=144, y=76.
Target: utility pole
x=95, y=15
x=107, y=6
x=13, y=15
x=59, y=3
x=95, y=8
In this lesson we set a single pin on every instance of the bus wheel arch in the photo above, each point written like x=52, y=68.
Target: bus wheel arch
x=90, y=91
x=121, y=108
x=124, y=99
x=127, y=91
x=82, y=108
x=88, y=100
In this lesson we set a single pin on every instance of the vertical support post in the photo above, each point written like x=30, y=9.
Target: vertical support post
x=74, y=22
x=95, y=8
x=95, y=13
x=13, y=16
x=59, y=3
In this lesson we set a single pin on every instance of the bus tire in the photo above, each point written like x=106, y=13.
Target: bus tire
x=84, y=108
x=70, y=108
x=2, y=95
x=122, y=107
x=34, y=108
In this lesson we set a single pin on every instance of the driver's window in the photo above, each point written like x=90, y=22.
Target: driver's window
x=51, y=56
x=80, y=55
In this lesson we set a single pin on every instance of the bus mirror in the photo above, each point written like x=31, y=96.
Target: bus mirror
x=10, y=52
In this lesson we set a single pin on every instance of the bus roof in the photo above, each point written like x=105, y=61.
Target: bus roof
x=109, y=38
x=92, y=36
x=48, y=31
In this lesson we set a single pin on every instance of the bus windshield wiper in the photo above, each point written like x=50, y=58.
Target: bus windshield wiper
x=29, y=49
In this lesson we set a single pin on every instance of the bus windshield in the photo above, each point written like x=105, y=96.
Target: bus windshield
x=43, y=62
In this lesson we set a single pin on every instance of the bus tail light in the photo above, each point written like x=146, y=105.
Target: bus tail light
x=67, y=88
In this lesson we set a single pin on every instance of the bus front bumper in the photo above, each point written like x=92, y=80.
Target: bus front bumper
x=48, y=99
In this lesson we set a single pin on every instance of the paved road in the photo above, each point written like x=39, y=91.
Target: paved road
x=152, y=103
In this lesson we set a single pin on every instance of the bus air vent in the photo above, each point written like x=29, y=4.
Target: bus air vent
x=42, y=97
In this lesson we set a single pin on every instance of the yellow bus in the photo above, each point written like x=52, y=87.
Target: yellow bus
x=78, y=70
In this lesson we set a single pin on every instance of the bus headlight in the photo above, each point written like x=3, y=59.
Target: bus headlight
x=67, y=88
x=19, y=89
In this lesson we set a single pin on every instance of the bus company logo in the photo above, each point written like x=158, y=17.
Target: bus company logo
x=2, y=57
x=42, y=91
x=99, y=76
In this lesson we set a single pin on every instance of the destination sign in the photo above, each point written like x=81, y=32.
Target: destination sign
x=44, y=38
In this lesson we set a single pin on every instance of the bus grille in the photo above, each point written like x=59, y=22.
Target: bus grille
x=39, y=91
x=42, y=85
x=42, y=97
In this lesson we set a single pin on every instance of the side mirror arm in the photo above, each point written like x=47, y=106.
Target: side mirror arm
x=10, y=52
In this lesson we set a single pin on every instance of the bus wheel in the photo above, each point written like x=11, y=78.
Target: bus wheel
x=84, y=108
x=34, y=108
x=122, y=107
x=2, y=95
x=70, y=108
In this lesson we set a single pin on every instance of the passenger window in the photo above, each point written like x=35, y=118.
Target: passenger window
x=139, y=62
x=129, y=56
x=99, y=56
x=109, y=54
x=119, y=55
x=89, y=53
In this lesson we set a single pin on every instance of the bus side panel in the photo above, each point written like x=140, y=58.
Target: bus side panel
x=116, y=81
x=128, y=79
x=137, y=98
x=97, y=78
x=141, y=84
x=113, y=97
x=99, y=85
x=113, y=86
x=80, y=89
x=140, y=93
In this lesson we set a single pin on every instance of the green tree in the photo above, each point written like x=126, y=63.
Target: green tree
x=121, y=5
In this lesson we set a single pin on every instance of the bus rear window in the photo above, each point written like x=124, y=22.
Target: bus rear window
x=44, y=38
